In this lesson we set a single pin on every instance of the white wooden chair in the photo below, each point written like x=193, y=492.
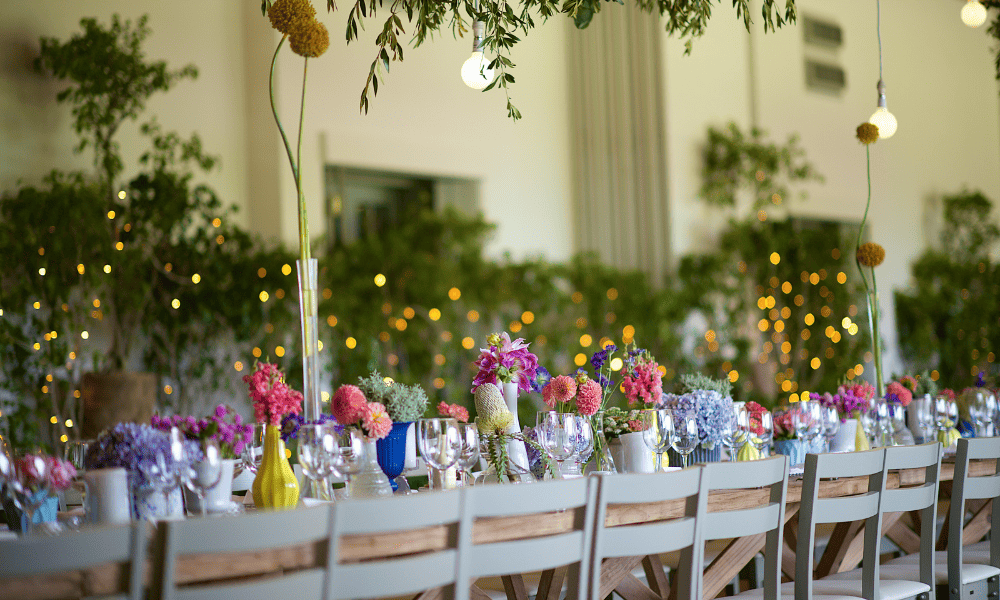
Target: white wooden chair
x=961, y=572
x=923, y=498
x=681, y=533
x=83, y=549
x=241, y=533
x=529, y=549
x=403, y=574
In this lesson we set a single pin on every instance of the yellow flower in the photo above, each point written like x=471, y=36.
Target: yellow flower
x=868, y=133
x=284, y=14
x=309, y=38
x=871, y=254
x=493, y=339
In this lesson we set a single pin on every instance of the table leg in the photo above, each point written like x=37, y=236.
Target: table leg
x=551, y=584
x=655, y=576
x=513, y=585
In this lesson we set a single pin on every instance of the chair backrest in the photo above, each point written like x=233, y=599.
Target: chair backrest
x=770, y=474
x=399, y=575
x=965, y=488
x=838, y=509
x=677, y=533
x=242, y=533
x=534, y=546
x=83, y=549
x=923, y=497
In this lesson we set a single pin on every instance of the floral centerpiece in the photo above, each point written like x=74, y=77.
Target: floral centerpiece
x=897, y=392
x=503, y=364
x=351, y=409
x=786, y=440
x=494, y=423
x=849, y=400
x=224, y=425
x=453, y=411
x=275, y=485
x=784, y=428
x=711, y=404
x=36, y=477
x=582, y=392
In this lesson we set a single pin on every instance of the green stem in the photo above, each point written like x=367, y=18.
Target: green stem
x=871, y=291
x=274, y=111
x=304, y=248
x=876, y=340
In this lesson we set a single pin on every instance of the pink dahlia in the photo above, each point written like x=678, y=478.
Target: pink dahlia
x=898, y=393
x=560, y=389
x=455, y=411
x=376, y=420
x=588, y=398
x=348, y=404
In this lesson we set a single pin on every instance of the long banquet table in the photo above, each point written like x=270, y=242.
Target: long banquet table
x=843, y=552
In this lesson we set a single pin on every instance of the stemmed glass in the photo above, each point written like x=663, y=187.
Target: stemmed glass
x=685, y=438
x=28, y=486
x=439, y=443
x=926, y=421
x=868, y=420
x=807, y=418
x=732, y=438
x=584, y=441
x=469, y=456
x=758, y=428
x=317, y=447
x=557, y=435
x=253, y=449
x=831, y=425
x=897, y=420
x=349, y=457
x=945, y=410
x=658, y=432
x=201, y=475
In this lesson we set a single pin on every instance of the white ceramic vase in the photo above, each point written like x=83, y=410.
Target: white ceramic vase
x=515, y=448
x=844, y=440
x=631, y=455
x=218, y=498
x=107, y=499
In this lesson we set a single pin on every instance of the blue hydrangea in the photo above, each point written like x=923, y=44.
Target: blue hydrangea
x=712, y=412
x=135, y=448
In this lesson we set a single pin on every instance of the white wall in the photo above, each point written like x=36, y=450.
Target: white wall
x=36, y=134
x=426, y=121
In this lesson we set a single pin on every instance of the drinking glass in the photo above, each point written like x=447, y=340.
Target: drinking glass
x=658, y=432
x=557, y=435
x=757, y=427
x=883, y=421
x=584, y=441
x=349, y=457
x=253, y=449
x=868, y=420
x=316, y=448
x=945, y=410
x=831, y=425
x=469, y=456
x=807, y=419
x=732, y=438
x=926, y=421
x=897, y=419
x=29, y=496
x=202, y=475
x=439, y=443
x=685, y=438
x=75, y=454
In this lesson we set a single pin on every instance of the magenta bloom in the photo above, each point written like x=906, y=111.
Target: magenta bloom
x=588, y=397
x=271, y=396
x=455, y=411
x=899, y=394
x=507, y=361
x=644, y=384
x=348, y=404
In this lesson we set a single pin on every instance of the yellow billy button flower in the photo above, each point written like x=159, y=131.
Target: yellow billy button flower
x=309, y=38
x=867, y=133
x=284, y=14
x=871, y=254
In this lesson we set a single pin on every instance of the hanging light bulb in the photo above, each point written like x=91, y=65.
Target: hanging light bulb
x=973, y=13
x=476, y=72
x=882, y=118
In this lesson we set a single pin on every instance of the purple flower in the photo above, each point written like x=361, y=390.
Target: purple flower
x=542, y=378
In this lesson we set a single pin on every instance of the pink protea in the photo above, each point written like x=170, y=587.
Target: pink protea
x=376, y=420
x=348, y=404
x=588, y=398
x=561, y=389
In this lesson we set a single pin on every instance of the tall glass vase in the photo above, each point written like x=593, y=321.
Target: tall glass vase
x=600, y=459
x=310, y=355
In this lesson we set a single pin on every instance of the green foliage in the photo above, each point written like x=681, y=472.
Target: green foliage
x=506, y=22
x=697, y=381
x=950, y=320
x=403, y=402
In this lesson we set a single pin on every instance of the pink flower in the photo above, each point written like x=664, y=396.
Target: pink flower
x=898, y=393
x=865, y=390
x=950, y=393
x=348, y=404
x=61, y=473
x=29, y=468
x=645, y=384
x=376, y=420
x=588, y=398
x=455, y=411
x=560, y=389
x=271, y=396
x=635, y=425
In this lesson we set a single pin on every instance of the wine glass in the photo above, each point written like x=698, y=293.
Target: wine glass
x=807, y=419
x=316, y=448
x=349, y=457
x=557, y=435
x=253, y=449
x=732, y=438
x=897, y=419
x=469, y=456
x=439, y=443
x=831, y=424
x=757, y=427
x=868, y=420
x=686, y=436
x=202, y=475
x=658, y=432
x=926, y=421
x=945, y=410
x=29, y=487
x=584, y=441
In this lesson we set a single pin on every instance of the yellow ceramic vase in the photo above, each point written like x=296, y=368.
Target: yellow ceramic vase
x=861, y=439
x=748, y=451
x=275, y=485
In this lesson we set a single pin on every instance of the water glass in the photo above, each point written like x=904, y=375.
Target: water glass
x=27, y=497
x=658, y=432
x=807, y=418
x=831, y=425
x=757, y=427
x=584, y=440
x=76, y=452
x=732, y=438
x=317, y=447
x=349, y=457
x=253, y=449
x=686, y=437
x=469, y=456
x=202, y=475
x=557, y=434
x=439, y=443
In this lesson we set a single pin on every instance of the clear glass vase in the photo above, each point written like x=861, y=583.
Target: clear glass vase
x=371, y=481
x=310, y=349
x=600, y=459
